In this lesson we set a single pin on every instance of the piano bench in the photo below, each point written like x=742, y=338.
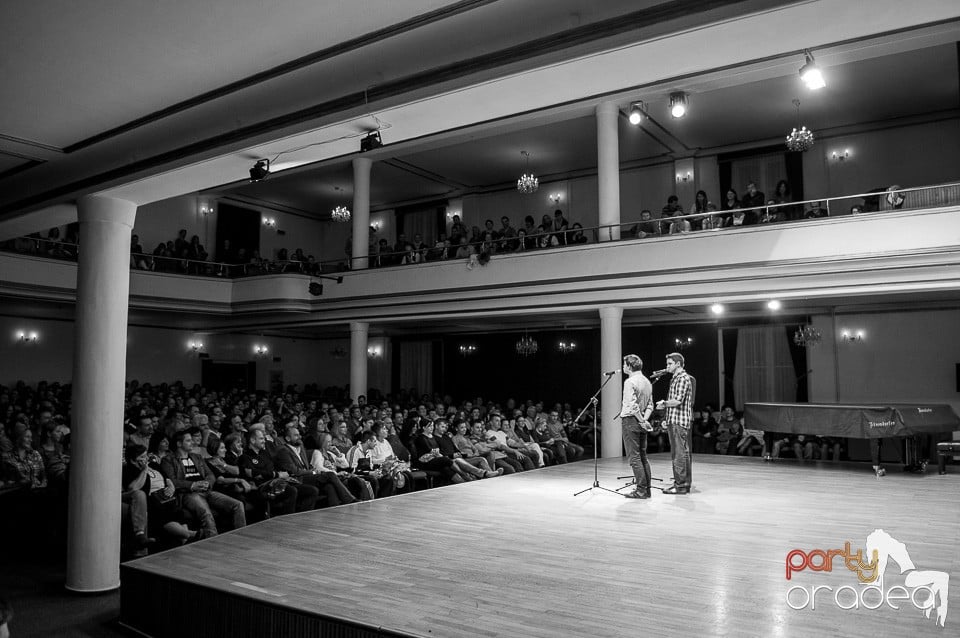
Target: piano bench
x=945, y=449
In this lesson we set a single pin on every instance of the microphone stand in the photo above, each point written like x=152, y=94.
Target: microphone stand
x=596, y=440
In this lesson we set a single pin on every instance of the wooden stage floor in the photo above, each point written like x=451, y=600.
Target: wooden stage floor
x=521, y=556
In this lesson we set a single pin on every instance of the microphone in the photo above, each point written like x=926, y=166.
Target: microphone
x=658, y=373
x=610, y=374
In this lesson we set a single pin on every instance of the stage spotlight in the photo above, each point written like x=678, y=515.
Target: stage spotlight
x=637, y=113
x=810, y=73
x=371, y=142
x=260, y=170
x=678, y=104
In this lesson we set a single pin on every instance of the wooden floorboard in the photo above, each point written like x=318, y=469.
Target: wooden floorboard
x=521, y=556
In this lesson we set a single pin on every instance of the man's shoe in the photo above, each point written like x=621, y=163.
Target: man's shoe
x=638, y=494
x=143, y=541
x=673, y=489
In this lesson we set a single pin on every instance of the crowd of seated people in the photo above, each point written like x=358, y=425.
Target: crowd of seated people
x=727, y=433
x=459, y=242
x=178, y=255
x=198, y=462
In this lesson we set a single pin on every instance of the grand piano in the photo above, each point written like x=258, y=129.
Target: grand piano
x=904, y=420
x=852, y=421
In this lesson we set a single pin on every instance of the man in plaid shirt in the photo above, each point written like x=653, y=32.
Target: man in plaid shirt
x=679, y=407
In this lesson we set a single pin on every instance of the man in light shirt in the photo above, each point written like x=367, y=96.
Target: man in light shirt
x=635, y=413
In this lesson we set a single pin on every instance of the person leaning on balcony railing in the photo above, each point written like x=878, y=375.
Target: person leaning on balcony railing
x=815, y=211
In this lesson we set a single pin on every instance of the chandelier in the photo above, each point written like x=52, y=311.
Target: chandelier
x=800, y=139
x=566, y=347
x=527, y=346
x=807, y=336
x=340, y=214
x=527, y=183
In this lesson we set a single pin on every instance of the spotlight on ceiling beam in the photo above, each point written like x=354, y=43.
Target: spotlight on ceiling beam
x=371, y=142
x=638, y=111
x=260, y=170
x=678, y=104
x=810, y=73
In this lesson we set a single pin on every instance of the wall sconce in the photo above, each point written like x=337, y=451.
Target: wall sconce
x=261, y=350
x=270, y=222
x=566, y=347
x=839, y=156
x=682, y=344
x=195, y=347
x=27, y=338
x=205, y=208
x=374, y=352
x=852, y=337
x=684, y=177
x=555, y=198
x=375, y=226
x=452, y=213
x=467, y=349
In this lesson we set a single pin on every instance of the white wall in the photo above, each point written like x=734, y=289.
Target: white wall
x=159, y=222
x=163, y=355
x=915, y=155
x=905, y=357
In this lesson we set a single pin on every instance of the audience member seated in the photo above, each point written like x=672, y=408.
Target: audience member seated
x=671, y=210
x=728, y=431
x=194, y=483
x=699, y=207
x=291, y=460
x=815, y=210
x=750, y=440
x=704, y=433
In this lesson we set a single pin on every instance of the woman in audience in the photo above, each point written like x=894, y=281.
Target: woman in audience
x=699, y=207
x=428, y=455
x=457, y=230
x=782, y=196
x=730, y=203
x=330, y=459
x=472, y=467
x=55, y=460
x=228, y=479
x=160, y=261
x=575, y=236
x=521, y=245
x=742, y=218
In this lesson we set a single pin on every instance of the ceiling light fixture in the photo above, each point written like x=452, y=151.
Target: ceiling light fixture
x=527, y=183
x=678, y=104
x=370, y=142
x=260, y=170
x=340, y=213
x=638, y=111
x=774, y=304
x=799, y=140
x=810, y=73
x=717, y=309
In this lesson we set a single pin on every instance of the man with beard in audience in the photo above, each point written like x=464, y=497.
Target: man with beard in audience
x=291, y=458
x=255, y=464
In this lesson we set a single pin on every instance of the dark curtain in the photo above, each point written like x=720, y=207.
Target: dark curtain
x=241, y=226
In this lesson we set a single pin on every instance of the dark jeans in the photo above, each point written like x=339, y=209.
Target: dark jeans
x=680, y=454
x=635, y=443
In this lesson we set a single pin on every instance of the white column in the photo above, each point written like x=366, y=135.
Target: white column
x=359, y=339
x=612, y=396
x=99, y=373
x=361, y=212
x=608, y=170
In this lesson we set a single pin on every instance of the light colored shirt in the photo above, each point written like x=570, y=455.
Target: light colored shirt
x=381, y=452
x=637, y=395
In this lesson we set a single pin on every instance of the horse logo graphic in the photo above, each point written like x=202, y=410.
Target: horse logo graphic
x=888, y=548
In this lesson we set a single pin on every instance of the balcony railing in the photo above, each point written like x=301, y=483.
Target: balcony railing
x=873, y=202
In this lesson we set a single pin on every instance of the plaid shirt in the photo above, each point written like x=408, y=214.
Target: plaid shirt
x=680, y=390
